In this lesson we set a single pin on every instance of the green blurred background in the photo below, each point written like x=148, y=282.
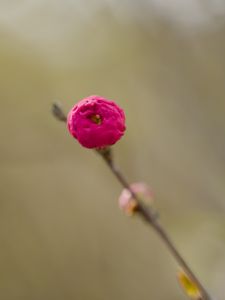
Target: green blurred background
x=62, y=235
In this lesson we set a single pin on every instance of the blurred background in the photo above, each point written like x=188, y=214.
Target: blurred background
x=62, y=235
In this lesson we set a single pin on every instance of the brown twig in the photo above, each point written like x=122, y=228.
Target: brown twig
x=146, y=213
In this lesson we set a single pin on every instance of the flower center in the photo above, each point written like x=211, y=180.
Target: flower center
x=96, y=119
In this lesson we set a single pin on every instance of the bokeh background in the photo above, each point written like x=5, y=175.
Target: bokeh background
x=62, y=235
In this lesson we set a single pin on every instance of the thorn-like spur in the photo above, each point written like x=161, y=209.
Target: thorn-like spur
x=58, y=112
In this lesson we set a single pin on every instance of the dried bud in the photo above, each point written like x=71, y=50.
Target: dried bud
x=189, y=287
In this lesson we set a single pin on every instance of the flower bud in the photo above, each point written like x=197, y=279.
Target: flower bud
x=128, y=204
x=96, y=122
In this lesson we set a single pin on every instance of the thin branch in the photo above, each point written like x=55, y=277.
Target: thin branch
x=146, y=213
x=149, y=216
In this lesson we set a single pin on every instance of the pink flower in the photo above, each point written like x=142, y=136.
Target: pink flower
x=96, y=122
x=128, y=204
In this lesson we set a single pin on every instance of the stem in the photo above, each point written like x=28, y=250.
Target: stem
x=151, y=219
x=148, y=215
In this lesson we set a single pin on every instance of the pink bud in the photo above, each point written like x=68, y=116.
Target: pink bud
x=128, y=204
x=96, y=122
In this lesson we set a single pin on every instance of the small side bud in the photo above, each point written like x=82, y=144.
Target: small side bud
x=128, y=204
